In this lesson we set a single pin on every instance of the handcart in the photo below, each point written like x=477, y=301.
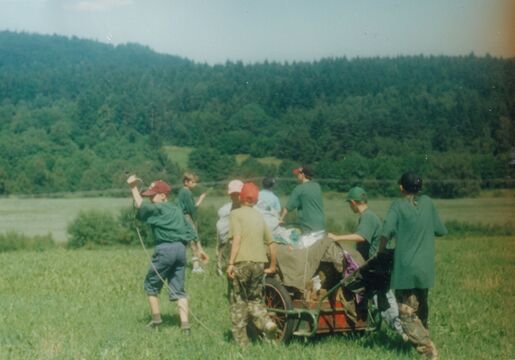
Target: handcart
x=302, y=313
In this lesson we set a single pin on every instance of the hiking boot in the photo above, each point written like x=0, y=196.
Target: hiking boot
x=270, y=330
x=185, y=328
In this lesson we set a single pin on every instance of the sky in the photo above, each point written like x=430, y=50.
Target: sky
x=214, y=31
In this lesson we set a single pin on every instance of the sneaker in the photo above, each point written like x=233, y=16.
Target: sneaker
x=270, y=330
x=153, y=324
x=198, y=270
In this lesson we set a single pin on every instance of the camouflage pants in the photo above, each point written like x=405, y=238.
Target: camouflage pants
x=247, y=300
x=413, y=302
x=223, y=252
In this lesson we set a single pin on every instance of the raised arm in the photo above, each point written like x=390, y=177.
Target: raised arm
x=133, y=181
x=200, y=199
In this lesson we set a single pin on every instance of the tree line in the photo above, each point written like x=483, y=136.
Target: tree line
x=77, y=115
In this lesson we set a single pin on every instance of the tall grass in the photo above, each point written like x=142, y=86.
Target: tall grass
x=89, y=304
x=13, y=240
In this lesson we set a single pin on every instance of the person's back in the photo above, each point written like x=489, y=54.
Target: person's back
x=171, y=232
x=369, y=227
x=414, y=226
x=249, y=223
x=186, y=202
x=307, y=199
x=167, y=222
x=413, y=222
x=268, y=201
x=245, y=270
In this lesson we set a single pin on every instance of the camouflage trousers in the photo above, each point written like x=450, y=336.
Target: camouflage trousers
x=412, y=304
x=223, y=253
x=246, y=300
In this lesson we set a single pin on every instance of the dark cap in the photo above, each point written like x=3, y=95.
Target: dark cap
x=357, y=194
x=157, y=187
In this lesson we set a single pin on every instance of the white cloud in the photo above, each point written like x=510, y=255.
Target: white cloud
x=100, y=5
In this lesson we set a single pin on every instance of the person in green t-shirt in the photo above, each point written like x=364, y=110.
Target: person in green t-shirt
x=171, y=234
x=369, y=225
x=374, y=276
x=413, y=221
x=246, y=267
x=189, y=207
x=306, y=198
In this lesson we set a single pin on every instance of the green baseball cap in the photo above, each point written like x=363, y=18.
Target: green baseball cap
x=357, y=194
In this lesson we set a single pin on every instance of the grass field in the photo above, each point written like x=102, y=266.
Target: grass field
x=89, y=304
x=65, y=304
x=178, y=154
x=44, y=216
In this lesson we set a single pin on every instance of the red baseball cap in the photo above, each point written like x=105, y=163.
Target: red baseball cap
x=157, y=187
x=249, y=193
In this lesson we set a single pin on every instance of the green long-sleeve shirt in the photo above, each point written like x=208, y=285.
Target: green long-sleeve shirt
x=167, y=222
x=414, y=226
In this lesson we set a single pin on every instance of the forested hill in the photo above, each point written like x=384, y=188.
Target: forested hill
x=77, y=114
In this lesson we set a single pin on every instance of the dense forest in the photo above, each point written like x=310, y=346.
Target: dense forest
x=77, y=115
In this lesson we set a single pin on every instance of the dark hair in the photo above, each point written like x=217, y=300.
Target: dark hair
x=411, y=182
x=268, y=182
x=307, y=171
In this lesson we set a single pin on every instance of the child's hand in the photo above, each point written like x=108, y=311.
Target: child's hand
x=230, y=271
x=331, y=236
x=132, y=180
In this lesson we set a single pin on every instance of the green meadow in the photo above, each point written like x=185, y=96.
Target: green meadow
x=35, y=216
x=89, y=304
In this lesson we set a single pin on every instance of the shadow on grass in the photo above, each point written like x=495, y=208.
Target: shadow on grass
x=168, y=321
x=384, y=340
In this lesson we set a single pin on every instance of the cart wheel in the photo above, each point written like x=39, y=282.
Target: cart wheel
x=277, y=297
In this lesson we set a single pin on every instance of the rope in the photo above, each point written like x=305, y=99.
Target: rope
x=166, y=284
x=164, y=281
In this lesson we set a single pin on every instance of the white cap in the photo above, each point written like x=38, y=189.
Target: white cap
x=234, y=186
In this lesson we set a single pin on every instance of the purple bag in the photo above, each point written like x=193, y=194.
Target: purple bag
x=350, y=266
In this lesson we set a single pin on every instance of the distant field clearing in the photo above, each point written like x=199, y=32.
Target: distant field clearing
x=43, y=216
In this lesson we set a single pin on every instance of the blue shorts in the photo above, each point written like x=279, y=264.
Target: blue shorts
x=169, y=260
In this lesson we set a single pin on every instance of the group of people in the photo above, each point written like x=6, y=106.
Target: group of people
x=400, y=253
x=400, y=250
